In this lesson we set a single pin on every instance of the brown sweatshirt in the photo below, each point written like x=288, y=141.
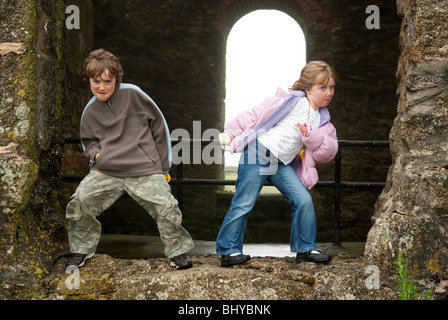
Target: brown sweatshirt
x=128, y=131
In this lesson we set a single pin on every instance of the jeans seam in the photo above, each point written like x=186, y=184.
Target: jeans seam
x=296, y=249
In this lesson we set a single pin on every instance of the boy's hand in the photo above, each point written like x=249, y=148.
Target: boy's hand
x=96, y=156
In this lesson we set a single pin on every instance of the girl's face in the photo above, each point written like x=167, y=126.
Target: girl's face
x=320, y=95
x=103, y=87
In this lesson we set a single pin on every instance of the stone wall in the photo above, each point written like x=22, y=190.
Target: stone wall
x=32, y=232
x=175, y=51
x=411, y=215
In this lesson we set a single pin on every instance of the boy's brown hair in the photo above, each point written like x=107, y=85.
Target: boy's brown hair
x=98, y=61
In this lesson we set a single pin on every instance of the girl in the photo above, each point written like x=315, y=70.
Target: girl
x=281, y=140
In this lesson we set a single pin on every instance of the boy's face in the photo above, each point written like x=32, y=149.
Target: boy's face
x=320, y=95
x=103, y=87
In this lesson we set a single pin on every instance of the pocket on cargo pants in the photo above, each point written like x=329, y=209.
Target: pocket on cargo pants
x=83, y=230
x=171, y=210
x=169, y=222
x=73, y=211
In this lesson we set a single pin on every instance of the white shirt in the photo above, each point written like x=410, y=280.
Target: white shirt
x=283, y=139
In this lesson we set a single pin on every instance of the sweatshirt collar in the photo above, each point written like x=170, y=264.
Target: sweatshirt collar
x=117, y=88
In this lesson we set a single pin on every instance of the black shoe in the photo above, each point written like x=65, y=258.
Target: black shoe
x=78, y=259
x=181, y=262
x=228, y=260
x=313, y=256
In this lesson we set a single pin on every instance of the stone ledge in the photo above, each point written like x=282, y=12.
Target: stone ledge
x=270, y=278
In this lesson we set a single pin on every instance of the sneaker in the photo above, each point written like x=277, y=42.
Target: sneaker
x=230, y=260
x=78, y=259
x=312, y=256
x=181, y=262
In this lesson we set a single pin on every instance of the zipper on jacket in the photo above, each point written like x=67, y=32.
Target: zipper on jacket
x=112, y=108
x=146, y=152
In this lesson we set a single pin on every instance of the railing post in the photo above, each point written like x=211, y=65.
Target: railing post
x=179, y=178
x=337, y=198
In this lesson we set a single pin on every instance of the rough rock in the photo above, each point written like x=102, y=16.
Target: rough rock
x=269, y=278
x=411, y=214
x=31, y=92
x=7, y=47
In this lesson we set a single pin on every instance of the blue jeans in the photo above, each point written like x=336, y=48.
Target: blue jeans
x=256, y=166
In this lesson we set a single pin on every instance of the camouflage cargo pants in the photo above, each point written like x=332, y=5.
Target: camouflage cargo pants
x=98, y=191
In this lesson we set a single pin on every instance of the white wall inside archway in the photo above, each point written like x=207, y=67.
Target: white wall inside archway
x=266, y=49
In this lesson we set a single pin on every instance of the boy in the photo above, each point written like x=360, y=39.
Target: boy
x=127, y=140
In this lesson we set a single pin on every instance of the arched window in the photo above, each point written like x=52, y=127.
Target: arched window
x=265, y=49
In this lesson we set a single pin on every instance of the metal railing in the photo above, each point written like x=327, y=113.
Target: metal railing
x=179, y=181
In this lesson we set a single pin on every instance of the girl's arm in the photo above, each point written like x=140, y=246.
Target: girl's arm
x=250, y=118
x=321, y=142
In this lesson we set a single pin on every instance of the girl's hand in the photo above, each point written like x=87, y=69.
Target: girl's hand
x=303, y=128
x=224, y=139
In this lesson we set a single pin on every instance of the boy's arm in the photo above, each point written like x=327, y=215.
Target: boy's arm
x=90, y=144
x=160, y=136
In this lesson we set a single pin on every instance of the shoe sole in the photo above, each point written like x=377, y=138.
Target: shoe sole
x=229, y=264
x=315, y=261
x=90, y=255
x=172, y=264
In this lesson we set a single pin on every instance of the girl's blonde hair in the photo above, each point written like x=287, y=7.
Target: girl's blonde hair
x=315, y=72
x=100, y=60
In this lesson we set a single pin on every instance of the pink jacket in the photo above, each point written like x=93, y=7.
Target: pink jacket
x=321, y=144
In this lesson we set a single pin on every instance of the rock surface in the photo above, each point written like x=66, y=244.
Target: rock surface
x=269, y=278
x=411, y=215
